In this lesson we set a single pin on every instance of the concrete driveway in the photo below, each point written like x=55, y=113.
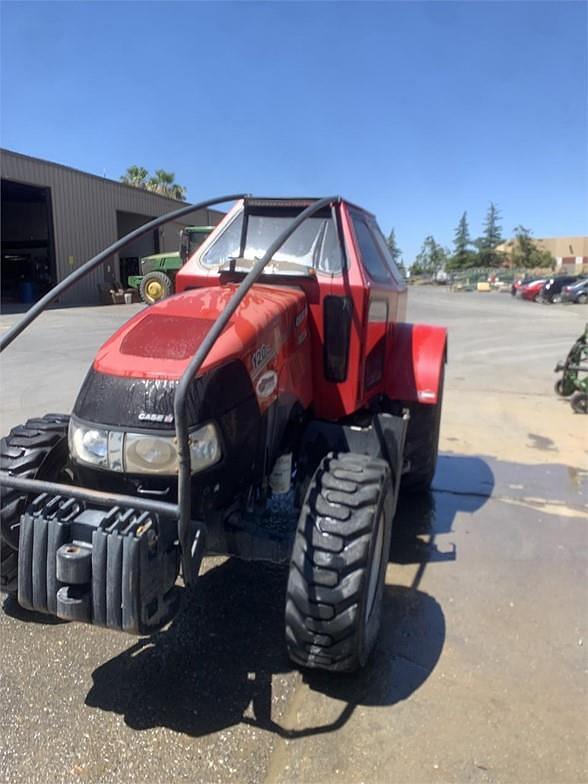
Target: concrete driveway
x=479, y=673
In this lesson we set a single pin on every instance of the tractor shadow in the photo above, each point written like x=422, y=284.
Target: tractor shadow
x=462, y=484
x=13, y=610
x=222, y=662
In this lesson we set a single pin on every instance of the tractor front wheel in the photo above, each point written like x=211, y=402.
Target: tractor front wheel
x=35, y=450
x=155, y=286
x=336, y=578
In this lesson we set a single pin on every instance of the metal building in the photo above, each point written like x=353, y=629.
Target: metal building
x=54, y=218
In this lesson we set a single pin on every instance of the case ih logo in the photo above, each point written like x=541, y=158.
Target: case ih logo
x=261, y=356
x=145, y=417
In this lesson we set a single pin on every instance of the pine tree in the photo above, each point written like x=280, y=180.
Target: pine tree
x=492, y=229
x=462, y=254
x=395, y=251
x=490, y=239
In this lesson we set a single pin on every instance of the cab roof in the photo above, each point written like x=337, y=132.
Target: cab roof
x=294, y=201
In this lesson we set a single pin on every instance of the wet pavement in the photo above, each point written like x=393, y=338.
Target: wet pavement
x=479, y=673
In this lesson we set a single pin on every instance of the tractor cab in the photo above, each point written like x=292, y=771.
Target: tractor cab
x=192, y=237
x=338, y=257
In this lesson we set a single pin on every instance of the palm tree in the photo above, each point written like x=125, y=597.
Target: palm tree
x=163, y=183
x=178, y=192
x=135, y=176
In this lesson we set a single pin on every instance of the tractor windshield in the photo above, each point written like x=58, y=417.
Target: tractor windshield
x=195, y=240
x=314, y=243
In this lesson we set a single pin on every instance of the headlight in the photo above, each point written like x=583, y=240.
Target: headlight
x=89, y=445
x=204, y=448
x=150, y=455
x=140, y=453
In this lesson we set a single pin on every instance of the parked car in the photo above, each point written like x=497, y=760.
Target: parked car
x=532, y=289
x=553, y=287
x=576, y=292
x=518, y=284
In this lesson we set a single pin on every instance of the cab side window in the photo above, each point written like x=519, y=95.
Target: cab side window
x=377, y=232
x=226, y=245
x=370, y=252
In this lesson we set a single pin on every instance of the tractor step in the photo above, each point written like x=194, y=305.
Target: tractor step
x=114, y=567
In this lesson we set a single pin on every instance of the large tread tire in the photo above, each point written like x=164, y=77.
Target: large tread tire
x=564, y=389
x=35, y=450
x=422, y=443
x=164, y=284
x=579, y=403
x=334, y=596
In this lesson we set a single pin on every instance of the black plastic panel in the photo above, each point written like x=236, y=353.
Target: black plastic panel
x=337, y=326
x=129, y=402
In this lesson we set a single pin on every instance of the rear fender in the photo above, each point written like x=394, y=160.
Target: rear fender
x=417, y=355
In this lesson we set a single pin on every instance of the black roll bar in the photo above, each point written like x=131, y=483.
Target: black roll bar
x=181, y=510
x=100, y=258
x=180, y=414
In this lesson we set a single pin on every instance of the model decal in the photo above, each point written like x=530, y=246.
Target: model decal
x=261, y=356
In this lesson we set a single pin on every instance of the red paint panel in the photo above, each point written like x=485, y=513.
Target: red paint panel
x=159, y=341
x=414, y=365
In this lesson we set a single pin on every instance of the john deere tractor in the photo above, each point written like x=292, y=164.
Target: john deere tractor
x=158, y=271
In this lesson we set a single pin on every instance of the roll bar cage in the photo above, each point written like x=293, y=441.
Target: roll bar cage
x=191, y=541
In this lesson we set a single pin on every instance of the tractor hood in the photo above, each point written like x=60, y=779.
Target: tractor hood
x=159, y=342
x=133, y=379
x=157, y=257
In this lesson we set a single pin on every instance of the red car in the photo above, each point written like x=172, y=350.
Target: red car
x=532, y=290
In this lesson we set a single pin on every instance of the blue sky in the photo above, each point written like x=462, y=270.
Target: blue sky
x=417, y=111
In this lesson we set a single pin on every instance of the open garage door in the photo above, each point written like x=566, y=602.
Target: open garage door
x=144, y=246
x=28, y=253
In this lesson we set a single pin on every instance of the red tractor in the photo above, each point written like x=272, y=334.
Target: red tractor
x=283, y=365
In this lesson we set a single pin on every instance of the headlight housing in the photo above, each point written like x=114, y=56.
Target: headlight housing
x=140, y=453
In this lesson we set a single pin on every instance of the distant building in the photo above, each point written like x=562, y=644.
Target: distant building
x=571, y=253
x=54, y=218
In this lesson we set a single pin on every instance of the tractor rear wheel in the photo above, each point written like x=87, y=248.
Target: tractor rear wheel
x=336, y=578
x=155, y=286
x=579, y=402
x=564, y=388
x=35, y=450
x=422, y=442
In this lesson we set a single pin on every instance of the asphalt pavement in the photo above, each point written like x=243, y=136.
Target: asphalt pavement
x=479, y=673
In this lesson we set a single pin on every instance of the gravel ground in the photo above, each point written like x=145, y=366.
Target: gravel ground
x=478, y=673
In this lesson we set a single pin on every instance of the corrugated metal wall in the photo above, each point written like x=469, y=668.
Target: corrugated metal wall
x=84, y=215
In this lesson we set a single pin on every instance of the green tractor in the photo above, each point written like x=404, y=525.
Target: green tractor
x=158, y=272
